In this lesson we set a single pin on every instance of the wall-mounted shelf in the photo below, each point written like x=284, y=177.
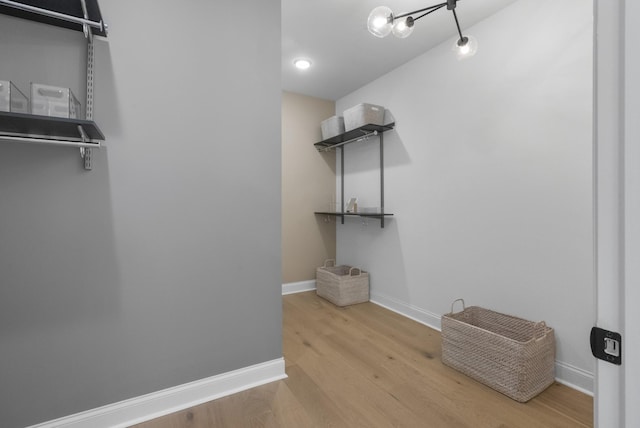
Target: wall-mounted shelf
x=338, y=142
x=66, y=14
x=336, y=214
x=49, y=130
x=352, y=136
x=79, y=15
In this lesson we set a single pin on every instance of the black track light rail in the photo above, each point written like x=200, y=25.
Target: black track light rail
x=429, y=9
x=451, y=5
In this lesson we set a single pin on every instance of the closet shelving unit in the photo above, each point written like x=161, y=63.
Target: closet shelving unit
x=79, y=15
x=362, y=133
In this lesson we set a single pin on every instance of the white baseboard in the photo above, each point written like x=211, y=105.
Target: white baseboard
x=150, y=406
x=298, y=287
x=566, y=374
x=575, y=378
x=413, y=312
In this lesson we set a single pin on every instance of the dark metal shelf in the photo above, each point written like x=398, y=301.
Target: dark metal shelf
x=352, y=136
x=47, y=127
x=339, y=141
x=338, y=214
x=66, y=7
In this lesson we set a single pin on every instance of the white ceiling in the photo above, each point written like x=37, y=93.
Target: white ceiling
x=333, y=35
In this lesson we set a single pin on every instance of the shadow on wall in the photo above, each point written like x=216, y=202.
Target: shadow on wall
x=326, y=233
x=106, y=88
x=57, y=259
x=365, y=155
x=366, y=234
x=330, y=159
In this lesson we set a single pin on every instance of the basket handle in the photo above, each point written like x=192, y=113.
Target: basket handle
x=454, y=302
x=332, y=261
x=540, y=330
x=52, y=93
x=355, y=268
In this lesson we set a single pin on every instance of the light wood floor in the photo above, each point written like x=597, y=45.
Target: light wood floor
x=365, y=366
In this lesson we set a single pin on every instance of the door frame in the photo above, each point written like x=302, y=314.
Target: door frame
x=617, y=205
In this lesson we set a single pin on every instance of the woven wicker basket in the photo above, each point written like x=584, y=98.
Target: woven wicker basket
x=511, y=355
x=342, y=285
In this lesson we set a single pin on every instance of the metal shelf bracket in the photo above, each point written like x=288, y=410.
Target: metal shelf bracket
x=85, y=152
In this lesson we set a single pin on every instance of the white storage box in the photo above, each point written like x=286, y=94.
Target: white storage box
x=332, y=127
x=11, y=99
x=54, y=101
x=363, y=114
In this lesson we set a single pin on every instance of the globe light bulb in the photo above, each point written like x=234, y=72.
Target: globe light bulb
x=380, y=21
x=403, y=27
x=465, y=47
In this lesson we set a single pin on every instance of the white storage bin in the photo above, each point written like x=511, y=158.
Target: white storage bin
x=332, y=127
x=363, y=114
x=11, y=99
x=49, y=100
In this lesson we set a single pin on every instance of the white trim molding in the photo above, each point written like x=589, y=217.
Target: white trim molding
x=298, y=287
x=405, y=309
x=566, y=374
x=575, y=378
x=150, y=406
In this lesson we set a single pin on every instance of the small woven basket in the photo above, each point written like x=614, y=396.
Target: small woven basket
x=511, y=355
x=342, y=285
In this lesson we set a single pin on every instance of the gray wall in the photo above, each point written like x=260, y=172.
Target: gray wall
x=162, y=265
x=489, y=175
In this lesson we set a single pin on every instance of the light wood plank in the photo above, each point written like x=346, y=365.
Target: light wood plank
x=365, y=366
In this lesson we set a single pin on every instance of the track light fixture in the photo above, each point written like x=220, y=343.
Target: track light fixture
x=382, y=21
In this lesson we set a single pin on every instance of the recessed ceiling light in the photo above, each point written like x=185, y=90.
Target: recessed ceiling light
x=302, y=64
